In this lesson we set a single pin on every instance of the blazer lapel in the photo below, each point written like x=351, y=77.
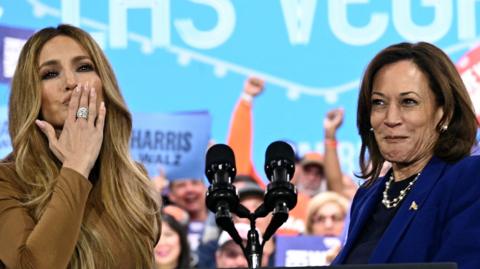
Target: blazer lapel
x=419, y=192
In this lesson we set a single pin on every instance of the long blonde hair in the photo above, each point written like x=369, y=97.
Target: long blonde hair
x=122, y=189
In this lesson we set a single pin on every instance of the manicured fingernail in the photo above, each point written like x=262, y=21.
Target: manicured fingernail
x=92, y=91
x=102, y=104
x=40, y=123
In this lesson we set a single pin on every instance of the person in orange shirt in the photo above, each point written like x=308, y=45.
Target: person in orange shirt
x=240, y=137
x=240, y=140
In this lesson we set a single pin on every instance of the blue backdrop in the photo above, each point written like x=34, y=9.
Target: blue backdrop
x=191, y=55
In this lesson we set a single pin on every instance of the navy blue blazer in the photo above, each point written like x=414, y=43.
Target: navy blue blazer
x=445, y=226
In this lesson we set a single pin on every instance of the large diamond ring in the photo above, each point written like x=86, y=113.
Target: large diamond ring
x=82, y=112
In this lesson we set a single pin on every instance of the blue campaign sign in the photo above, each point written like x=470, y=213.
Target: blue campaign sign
x=171, y=143
x=11, y=42
x=303, y=250
x=190, y=55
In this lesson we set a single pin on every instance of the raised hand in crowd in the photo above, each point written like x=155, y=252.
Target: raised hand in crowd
x=160, y=181
x=253, y=86
x=336, y=180
x=332, y=121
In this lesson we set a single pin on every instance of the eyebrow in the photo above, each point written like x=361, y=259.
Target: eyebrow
x=401, y=94
x=55, y=62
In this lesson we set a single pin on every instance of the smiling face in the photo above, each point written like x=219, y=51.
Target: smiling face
x=167, y=251
x=189, y=194
x=63, y=65
x=404, y=114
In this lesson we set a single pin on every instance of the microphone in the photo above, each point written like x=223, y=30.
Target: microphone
x=281, y=195
x=220, y=171
x=220, y=164
x=279, y=162
x=222, y=198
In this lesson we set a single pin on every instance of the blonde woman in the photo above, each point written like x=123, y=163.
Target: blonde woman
x=326, y=214
x=70, y=194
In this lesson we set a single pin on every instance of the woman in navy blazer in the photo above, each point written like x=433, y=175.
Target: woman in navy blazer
x=414, y=112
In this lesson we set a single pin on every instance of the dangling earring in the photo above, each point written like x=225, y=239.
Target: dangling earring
x=443, y=128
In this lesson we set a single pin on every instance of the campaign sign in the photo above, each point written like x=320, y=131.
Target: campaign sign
x=12, y=40
x=5, y=144
x=171, y=143
x=469, y=68
x=304, y=250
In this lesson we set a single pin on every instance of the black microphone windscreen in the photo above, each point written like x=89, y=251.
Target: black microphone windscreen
x=220, y=153
x=279, y=150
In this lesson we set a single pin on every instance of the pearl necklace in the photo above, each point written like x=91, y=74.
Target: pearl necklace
x=393, y=203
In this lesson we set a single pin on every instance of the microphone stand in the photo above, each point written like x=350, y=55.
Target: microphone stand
x=222, y=197
x=254, y=251
x=279, y=199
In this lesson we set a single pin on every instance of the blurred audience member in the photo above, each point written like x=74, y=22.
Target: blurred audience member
x=326, y=214
x=312, y=179
x=229, y=254
x=173, y=250
x=240, y=137
x=189, y=194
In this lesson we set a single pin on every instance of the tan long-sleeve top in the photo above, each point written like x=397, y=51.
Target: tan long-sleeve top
x=50, y=242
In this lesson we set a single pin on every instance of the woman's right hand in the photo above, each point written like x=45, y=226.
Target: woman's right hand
x=80, y=140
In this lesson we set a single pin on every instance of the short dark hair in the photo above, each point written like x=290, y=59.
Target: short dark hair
x=450, y=93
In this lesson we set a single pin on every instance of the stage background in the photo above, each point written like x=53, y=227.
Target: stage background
x=194, y=55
